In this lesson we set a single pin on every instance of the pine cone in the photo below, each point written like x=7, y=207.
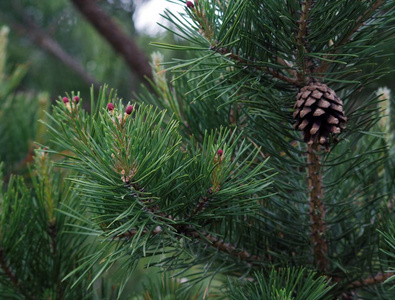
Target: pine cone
x=318, y=113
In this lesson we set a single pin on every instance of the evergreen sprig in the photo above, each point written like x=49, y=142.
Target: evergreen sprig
x=34, y=244
x=150, y=193
x=287, y=284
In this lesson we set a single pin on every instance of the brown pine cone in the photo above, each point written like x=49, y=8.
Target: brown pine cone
x=318, y=113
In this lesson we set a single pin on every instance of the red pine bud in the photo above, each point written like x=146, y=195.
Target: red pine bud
x=110, y=106
x=129, y=109
x=190, y=4
x=76, y=99
x=220, y=152
x=65, y=100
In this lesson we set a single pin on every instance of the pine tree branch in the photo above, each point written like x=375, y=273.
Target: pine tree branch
x=191, y=232
x=303, y=22
x=188, y=230
x=317, y=209
x=294, y=80
x=120, y=42
x=379, y=278
x=301, y=38
x=358, y=24
x=221, y=245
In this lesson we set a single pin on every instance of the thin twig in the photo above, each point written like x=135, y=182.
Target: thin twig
x=221, y=245
x=358, y=24
x=202, y=203
x=360, y=21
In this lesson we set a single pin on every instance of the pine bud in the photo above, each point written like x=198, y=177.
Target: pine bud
x=190, y=4
x=220, y=152
x=65, y=100
x=76, y=99
x=129, y=109
x=110, y=106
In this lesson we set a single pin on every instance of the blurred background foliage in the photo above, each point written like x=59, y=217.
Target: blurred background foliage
x=76, y=36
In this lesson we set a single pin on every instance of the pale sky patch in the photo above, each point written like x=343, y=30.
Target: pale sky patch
x=147, y=15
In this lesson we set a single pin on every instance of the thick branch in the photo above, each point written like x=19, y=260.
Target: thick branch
x=120, y=42
x=317, y=209
x=48, y=44
x=379, y=278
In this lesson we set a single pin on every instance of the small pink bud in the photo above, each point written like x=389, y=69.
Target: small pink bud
x=190, y=4
x=65, y=100
x=76, y=99
x=220, y=152
x=110, y=106
x=129, y=109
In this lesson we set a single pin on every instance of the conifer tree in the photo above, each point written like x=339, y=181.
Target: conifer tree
x=260, y=162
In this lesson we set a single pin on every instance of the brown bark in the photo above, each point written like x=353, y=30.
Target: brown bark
x=317, y=209
x=379, y=278
x=120, y=42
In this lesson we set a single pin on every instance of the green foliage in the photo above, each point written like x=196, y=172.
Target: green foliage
x=37, y=246
x=284, y=284
x=254, y=56
x=148, y=192
x=389, y=237
x=167, y=287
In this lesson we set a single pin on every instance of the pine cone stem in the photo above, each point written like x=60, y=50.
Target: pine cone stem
x=317, y=209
